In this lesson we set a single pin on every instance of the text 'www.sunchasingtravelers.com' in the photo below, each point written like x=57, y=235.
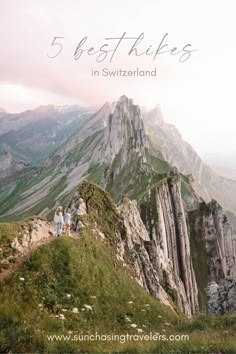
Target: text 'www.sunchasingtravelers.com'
x=122, y=338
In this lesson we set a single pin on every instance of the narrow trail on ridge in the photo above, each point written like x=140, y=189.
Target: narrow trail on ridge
x=48, y=236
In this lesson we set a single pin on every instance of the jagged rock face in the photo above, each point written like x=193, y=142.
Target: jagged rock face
x=27, y=237
x=164, y=216
x=125, y=130
x=222, y=299
x=123, y=149
x=210, y=225
x=154, y=269
x=35, y=234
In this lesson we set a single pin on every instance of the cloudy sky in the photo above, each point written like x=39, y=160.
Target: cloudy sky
x=198, y=96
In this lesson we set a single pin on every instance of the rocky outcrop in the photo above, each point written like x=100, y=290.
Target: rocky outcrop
x=153, y=266
x=164, y=216
x=34, y=234
x=222, y=298
x=124, y=132
x=210, y=225
x=21, y=240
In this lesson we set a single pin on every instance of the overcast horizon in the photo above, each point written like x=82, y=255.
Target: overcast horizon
x=197, y=96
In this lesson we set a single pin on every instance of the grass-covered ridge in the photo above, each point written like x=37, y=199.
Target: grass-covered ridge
x=73, y=273
x=102, y=210
x=89, y=272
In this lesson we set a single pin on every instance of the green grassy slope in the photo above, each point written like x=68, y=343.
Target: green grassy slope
x=89, y=272
x=84, y=269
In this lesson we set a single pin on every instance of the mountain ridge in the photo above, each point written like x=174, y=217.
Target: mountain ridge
x=31, y=135
x=179, y=153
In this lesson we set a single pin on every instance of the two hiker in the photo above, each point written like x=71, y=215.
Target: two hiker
x=60, y=221
x=66, y=221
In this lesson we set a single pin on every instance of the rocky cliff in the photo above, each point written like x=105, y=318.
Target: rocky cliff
x=124, y=131
x=154, y=267
x=212, y=229
x=18, y=240
x=165, y=218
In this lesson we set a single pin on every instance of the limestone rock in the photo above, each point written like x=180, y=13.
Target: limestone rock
x=211, y=226
x=164, y=216
x=36, y=233
x=156, y=260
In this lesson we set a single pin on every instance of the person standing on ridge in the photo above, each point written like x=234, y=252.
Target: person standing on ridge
x=82, y=210
x=67, y=221
x=58, y=219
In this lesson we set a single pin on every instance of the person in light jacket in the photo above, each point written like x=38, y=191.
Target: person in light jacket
x=67, y=221
x=58, y=219
x=82, y=210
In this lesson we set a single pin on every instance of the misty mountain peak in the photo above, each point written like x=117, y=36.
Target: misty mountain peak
x=154, y=117
x=125, y=130
x=125, y=104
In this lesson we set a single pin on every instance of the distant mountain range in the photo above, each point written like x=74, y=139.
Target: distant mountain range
x=31, y=135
